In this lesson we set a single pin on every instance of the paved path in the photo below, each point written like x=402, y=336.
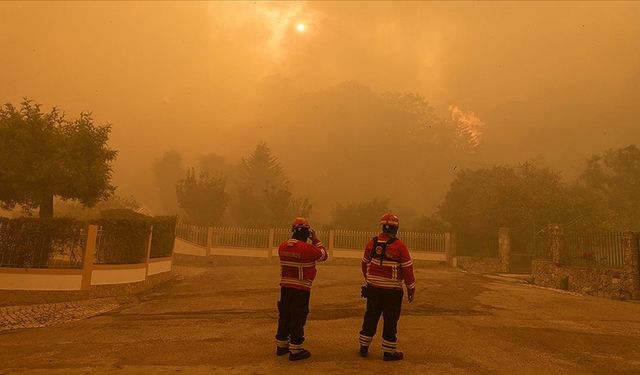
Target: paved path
x=48, y=314
x=219, y=318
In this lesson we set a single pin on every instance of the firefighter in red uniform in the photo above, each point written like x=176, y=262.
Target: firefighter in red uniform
x=386, y=263
x=297, y=270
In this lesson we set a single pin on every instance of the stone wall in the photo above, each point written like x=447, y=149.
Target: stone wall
x=617, y=283
x=596, y=281
x=479, y=264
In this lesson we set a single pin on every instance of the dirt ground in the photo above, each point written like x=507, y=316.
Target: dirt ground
x=219, y=317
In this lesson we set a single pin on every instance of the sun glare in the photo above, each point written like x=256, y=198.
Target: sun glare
x=300, y=27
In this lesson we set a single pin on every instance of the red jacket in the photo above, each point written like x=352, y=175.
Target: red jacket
x=389, y=272
x=298, y=263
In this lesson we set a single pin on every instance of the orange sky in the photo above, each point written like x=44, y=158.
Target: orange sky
x=188, y=76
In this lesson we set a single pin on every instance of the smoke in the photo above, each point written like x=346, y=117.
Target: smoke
x=468, y=127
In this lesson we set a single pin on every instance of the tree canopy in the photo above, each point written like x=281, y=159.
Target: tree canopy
x=167, y=170
x=43, y=155
x=202, y=197
x=264, y=197
x=482, y=200
x=610, y=187
x=359, y=215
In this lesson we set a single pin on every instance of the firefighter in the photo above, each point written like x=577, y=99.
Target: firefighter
x=297, y=270
x=385, y=264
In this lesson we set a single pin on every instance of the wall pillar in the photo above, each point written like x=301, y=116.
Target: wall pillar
x=330, y=244
x=631, y=267
x=209, y=240
x=271, y=246
x=449, y=250
x=148, y=251
x=88, y=256
x=555, y=242
x=504, y=249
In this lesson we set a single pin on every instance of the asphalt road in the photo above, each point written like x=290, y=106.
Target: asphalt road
x=219, y=317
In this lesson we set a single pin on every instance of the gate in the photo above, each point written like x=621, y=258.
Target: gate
x=523, y=245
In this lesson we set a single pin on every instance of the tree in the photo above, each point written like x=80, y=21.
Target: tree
x=78, y=211
x=359, y=215
x=479, y=201
x=431, y=224
x=203, y=198
x=264, y=197
x=282, y=207
x=43, y=155
x=609, y=189
x=167, y=170
x=262, y=169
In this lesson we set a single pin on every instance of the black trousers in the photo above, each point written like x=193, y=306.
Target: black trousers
x=385, y=302
x=294, y=308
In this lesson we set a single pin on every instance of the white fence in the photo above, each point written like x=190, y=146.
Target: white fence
x=202, y=240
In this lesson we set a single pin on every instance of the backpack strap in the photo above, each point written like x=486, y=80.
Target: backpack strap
x=379, y=249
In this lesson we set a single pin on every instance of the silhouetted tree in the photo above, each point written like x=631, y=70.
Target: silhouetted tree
x=43, y=155
x=609, y=188
x=359, y=215
x=264, y=198
x=203, y=197
x=167, y=170
x=262, y=169
x=479, y=201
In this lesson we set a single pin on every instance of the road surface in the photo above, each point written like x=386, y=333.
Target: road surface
x=219, y=317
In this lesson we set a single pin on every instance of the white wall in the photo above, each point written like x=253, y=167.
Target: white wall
x=40, y=281
x=106, y=276
x=155, y=268
x=185, y=247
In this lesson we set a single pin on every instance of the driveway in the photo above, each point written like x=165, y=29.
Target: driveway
x=219, y=317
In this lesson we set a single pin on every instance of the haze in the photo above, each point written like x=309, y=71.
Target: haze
x=551, y=82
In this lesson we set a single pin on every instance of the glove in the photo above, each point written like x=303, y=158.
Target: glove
x=312, y=235
x=363, y=291
x=410, y=294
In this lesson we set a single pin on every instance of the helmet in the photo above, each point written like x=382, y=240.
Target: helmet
x=389, y=219
x=299, y=223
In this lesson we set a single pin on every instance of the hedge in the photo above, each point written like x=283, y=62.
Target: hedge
x=122, y=241
x=164, y=234
x=60, y=242
x=42, y=243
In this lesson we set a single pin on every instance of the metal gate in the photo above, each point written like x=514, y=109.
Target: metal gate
x=523, y=244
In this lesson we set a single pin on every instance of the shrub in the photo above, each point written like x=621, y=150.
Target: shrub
x=122, y=241
x=40, y=243
x=164, y=234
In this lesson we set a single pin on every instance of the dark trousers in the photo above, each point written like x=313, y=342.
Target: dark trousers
x=294, y=308
x=385, y=302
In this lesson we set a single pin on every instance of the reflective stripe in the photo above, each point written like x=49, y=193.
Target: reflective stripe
x=324, y=255
x=282, y=343
x=388, y=346
x=365, y=340
x=296, y=264
x=299, y=266
x=292, y=281
x=407, y=263
x=383, y=281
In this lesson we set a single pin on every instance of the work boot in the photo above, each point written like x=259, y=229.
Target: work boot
x=282, y=351
x=302, y=354
x=395, y=356
x=364, y=351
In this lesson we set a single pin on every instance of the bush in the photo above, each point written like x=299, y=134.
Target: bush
x=40, y=243
x=122, y=241
x=164, y=234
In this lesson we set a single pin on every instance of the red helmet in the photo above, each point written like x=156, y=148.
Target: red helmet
x=300, y=222
x=389, y=219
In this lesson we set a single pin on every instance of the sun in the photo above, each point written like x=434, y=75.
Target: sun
x=301, y=27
